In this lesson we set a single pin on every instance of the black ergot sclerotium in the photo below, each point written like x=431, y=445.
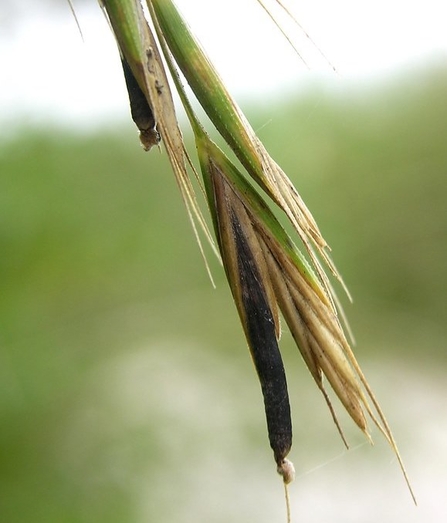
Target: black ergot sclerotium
x=260, y=330
x=140, y=110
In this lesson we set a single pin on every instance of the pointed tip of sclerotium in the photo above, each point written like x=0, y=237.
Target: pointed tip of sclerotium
x=287, y=471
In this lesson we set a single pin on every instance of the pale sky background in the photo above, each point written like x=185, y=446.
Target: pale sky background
x=50, y=74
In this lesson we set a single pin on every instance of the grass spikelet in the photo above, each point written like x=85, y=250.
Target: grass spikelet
x=267, y=273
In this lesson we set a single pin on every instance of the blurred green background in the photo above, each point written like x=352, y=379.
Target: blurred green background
x=126, y=390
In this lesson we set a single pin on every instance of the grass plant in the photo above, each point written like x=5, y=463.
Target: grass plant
x=266, y=271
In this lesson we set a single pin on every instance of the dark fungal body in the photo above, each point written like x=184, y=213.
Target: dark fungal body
x=140, y=110
x=260, y=331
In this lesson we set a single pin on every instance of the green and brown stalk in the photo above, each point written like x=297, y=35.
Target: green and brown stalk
x=266, y=271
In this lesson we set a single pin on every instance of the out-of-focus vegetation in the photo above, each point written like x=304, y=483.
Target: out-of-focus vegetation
x=124, y=377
